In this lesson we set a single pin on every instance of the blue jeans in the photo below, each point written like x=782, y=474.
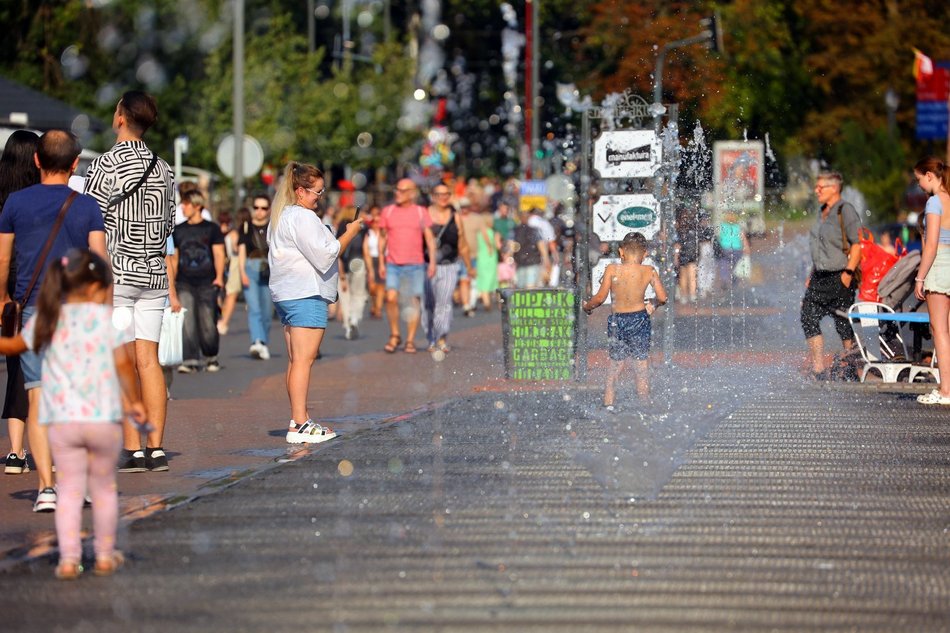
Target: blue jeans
x=260, y=308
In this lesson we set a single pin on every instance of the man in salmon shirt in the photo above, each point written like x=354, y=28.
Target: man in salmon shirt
x=404, y=230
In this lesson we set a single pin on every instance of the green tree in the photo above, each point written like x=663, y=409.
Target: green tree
x=874, y=164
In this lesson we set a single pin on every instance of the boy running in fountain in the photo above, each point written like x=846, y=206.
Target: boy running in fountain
x=628, y=328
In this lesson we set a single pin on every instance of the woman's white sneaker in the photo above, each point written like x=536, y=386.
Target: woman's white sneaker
x=308, y=433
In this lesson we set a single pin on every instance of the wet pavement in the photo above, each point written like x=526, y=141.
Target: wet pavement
x=741, y=499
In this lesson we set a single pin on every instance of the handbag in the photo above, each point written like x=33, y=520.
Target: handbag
x=11, y=317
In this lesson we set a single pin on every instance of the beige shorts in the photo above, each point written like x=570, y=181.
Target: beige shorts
x=139, y=311
x=938, y=279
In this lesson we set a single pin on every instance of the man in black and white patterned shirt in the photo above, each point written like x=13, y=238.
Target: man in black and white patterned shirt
x=136, y=191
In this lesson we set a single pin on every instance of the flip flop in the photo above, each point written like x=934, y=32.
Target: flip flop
x=392, y=344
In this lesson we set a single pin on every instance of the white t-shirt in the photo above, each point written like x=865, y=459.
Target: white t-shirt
x=543, y=227
x=80, y=383
x=302, y=255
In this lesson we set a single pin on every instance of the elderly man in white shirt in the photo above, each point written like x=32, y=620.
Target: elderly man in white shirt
x=302, y=255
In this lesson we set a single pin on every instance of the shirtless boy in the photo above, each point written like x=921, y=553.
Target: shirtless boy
x=628, y=328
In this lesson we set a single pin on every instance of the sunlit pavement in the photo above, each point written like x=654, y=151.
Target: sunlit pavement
x=742, y=498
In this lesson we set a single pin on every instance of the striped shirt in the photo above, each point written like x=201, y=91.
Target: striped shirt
x=138, y=227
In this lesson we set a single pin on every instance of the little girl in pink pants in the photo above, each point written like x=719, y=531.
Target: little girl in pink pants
x=87, y=377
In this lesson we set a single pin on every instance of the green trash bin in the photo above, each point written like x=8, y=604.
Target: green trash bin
x=539, y=333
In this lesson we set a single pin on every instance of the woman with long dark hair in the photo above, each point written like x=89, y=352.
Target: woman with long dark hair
x=17, y=171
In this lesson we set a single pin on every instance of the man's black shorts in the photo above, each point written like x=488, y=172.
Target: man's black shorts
x=826, y=296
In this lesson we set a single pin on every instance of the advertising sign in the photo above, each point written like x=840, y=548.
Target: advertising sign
x=534, y=195
x=539, y=334
x=617, y=215
x=739, y=173
x=933, y=92
x=627, y=154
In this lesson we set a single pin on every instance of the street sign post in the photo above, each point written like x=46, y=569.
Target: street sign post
x=627, y=154
x=617, y=215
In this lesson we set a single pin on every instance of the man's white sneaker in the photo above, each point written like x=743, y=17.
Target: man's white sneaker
x=309, y=433
x=263, y=352
x=255, y=349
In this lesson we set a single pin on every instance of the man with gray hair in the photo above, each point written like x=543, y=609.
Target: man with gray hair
x=835, y=254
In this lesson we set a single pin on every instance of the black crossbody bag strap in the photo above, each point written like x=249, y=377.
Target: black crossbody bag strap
x=148, y=172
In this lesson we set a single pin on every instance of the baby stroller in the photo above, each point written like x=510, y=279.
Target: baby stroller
x=897, y=291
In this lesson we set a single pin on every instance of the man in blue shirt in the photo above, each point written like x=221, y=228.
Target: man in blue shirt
x=25, y=224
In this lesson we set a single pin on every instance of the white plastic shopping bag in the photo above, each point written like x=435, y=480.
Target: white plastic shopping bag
x=743, y=269
x=171, y=339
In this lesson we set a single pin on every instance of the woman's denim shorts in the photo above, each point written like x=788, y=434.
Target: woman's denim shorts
x=307, y=312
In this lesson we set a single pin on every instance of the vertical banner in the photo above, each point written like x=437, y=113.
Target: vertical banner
x=933, y=91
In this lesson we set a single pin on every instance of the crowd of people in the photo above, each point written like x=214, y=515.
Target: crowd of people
x=84, y=302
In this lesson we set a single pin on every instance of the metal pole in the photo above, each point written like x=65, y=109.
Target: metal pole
x=347, y=44
x=311, y=26
x=238, y=103
x=535, y=85
x=582, y=253
x=666, y=227
x=528, y=88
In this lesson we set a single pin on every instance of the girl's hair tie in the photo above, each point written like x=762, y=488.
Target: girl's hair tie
x=64, y=261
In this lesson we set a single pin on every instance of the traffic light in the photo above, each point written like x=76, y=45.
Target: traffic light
x=713, y=30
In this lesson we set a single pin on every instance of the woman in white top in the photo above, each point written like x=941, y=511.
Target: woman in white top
x=302, y=255
x=933, y=277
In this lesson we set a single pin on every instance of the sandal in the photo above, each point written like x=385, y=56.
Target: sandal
x=444, y=347
x=933, y=397
x=410, y=348
x=110, y=565
x=68, y=571
x=393, y=344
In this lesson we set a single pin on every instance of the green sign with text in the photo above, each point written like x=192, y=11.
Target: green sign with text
x=636, y=217
x=539, y=334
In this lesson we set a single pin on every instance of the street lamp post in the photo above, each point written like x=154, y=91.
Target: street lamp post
x=238, y=103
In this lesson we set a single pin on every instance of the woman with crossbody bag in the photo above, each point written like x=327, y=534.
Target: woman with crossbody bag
x=437, y=319
x=255, y=275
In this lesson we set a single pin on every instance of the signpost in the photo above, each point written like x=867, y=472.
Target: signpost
x=617, y=215
x=627, y=154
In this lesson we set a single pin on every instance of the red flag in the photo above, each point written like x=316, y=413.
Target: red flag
x=923, y=66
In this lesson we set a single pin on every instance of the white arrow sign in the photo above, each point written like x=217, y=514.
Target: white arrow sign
x=627, y=154
x=617, y=215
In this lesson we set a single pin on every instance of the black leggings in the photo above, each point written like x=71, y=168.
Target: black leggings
x=826, y=296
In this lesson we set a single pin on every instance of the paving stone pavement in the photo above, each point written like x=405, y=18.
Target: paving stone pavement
x=784, y=508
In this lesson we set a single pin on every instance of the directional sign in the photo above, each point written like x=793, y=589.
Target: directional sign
x=617, y=215
x=627, y=154
x=597, y=275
